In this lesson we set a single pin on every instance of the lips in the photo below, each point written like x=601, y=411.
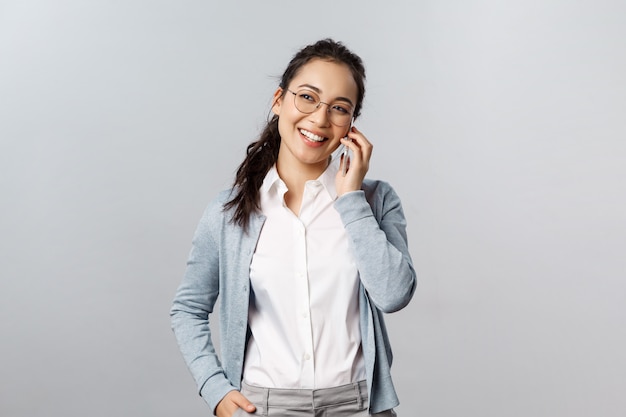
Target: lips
x=312, y=136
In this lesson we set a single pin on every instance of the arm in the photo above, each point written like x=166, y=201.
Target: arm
x=193, y=303
x=374, y=220
x=379, y=243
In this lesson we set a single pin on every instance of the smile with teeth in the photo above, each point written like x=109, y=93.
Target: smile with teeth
x=312, y=136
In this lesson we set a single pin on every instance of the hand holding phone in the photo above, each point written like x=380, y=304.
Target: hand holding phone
x=354, y=161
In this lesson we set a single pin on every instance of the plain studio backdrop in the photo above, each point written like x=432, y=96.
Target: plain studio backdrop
x=502, y=125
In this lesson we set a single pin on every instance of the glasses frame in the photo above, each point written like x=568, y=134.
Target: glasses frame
x=317, y=106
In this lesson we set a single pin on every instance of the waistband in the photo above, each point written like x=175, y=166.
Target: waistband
x=304, y=399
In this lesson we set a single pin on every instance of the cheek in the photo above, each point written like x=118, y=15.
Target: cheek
x=289, y=117
x=285, y=125
x=342, y=132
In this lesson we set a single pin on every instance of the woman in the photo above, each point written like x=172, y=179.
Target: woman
x=305, y=254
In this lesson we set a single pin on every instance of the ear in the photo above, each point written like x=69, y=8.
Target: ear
x=277, y=101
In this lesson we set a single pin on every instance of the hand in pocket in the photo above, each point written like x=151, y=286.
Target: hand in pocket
x=231, y=403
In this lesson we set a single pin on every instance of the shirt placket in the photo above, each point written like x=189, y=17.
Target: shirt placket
x=305, y=328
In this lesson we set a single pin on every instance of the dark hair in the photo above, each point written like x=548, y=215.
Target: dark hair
x=262, y=154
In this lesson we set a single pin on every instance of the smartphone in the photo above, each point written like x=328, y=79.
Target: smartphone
x=345, y=156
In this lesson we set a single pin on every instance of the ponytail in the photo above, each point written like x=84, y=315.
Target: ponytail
x=260, y=157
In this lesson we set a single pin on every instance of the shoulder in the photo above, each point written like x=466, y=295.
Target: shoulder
x=376, y=186
x=381, y=197
x=215, y=213
x=218, y=215
x=224, y=196
x=376, y=190
x=219, y=201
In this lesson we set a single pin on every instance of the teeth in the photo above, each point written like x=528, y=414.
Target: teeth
x=312, y=136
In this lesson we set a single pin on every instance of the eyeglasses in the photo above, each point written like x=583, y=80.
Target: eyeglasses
x=307, y=101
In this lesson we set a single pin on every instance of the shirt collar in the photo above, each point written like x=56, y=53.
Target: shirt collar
x=270, y=180
x=327, y=179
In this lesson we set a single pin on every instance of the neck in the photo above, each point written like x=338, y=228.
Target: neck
x=296, y=174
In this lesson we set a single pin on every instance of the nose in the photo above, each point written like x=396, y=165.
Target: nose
x=321, y=118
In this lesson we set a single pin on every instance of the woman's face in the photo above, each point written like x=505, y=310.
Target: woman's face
x=307, y=140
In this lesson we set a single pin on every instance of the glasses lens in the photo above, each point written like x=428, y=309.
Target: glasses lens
x=339, y=113
x=306, y=101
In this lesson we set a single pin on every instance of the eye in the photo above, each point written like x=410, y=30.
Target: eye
x=308, y=97
x=341, y=109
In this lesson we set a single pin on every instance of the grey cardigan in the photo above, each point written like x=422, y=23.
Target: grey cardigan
x=219, y=264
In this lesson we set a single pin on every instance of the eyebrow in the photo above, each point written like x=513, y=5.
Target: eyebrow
x=317, y=90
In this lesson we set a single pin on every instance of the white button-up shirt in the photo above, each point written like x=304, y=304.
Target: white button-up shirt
x=304, y=310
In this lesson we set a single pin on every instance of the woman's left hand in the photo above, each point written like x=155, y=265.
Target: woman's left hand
x=358, y=163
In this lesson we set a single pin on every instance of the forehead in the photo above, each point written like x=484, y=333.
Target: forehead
x=331, y=78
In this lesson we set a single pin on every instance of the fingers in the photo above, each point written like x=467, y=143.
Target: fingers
x=243, y=403
x=354, y=168
x=359, y=145
x=231, y=402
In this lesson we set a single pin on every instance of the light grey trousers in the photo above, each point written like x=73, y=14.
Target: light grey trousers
x=345, y=401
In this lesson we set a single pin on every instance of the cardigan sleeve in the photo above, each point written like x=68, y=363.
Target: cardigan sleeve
x=194, y=302
x=376, y=226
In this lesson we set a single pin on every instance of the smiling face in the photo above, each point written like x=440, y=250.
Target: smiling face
x=307, y=140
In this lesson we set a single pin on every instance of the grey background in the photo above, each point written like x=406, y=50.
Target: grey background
x=500, y=124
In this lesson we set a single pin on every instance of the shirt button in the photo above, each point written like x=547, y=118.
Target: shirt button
x=305, y=314
x=307, y=357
